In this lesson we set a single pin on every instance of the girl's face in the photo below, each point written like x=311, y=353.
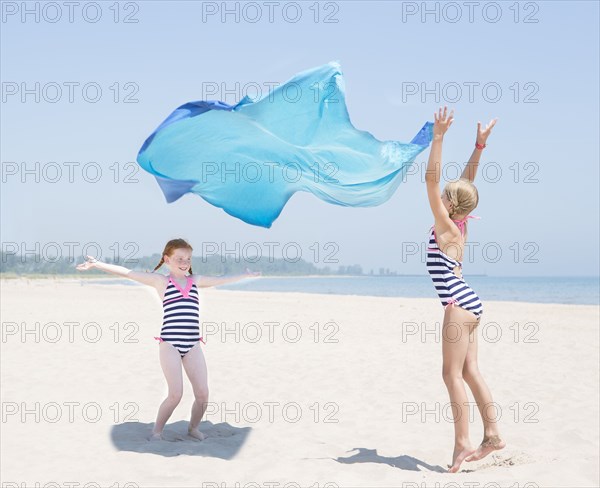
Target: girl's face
x=180, y=261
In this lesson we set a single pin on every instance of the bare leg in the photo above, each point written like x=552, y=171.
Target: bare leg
x=455, y=343
x=195, y=368
x=483, y=397
x=170, y=361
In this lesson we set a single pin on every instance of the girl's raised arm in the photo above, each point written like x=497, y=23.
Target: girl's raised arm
x=471, y=168
x=206, y=281
x=432, y=175
x=151, y=279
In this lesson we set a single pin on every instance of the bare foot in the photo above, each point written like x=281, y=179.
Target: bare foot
x=459, y=455
x=489, y=444
x=155, y=436
x=196, y=434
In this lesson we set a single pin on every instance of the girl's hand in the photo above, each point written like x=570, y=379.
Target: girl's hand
x=89, y=264
x=252, y=274
x=482, y=135
x=442, y=122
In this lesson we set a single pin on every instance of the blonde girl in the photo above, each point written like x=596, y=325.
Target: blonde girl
x=463, y=308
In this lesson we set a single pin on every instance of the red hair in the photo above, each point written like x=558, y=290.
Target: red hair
x=170, y=248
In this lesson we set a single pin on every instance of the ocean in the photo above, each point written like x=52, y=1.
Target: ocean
x=539, y=289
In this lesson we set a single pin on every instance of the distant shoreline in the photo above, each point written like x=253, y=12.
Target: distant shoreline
x=103, y=276
x=109, y=276
x=564, y=290
x=282, y=293
x=83, y=275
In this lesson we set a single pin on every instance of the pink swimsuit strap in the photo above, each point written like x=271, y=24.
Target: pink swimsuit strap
x=185, y=291
x=461, y=223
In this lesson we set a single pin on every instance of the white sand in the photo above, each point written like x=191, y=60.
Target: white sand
x=367, y=404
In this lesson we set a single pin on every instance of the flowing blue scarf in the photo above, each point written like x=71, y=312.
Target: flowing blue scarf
x=250, y=158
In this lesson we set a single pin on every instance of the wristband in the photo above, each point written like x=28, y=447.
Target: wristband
x=479, y=146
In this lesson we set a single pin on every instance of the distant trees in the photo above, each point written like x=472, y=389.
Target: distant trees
x=213, y=265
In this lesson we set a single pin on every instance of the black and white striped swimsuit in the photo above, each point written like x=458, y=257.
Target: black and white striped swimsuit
x=451, y=289
x=181, y=316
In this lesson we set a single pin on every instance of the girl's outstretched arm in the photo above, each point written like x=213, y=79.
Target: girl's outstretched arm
x=432, y=175
x=151, y=279
x=471, y=168
x=206, y=281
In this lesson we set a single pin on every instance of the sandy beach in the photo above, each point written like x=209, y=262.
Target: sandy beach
x=305, y=390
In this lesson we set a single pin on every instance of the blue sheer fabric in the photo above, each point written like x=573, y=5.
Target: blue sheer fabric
x=250, y=158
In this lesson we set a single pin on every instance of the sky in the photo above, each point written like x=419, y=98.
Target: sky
x=82, y=89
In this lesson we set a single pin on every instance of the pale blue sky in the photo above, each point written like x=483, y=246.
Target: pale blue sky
x=170, y=52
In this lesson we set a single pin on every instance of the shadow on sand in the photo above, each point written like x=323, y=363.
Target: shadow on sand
x=222, y=441
x=408, y=463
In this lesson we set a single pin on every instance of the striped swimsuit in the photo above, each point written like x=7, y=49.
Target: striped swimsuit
x=181, y=316
x=451, y=289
